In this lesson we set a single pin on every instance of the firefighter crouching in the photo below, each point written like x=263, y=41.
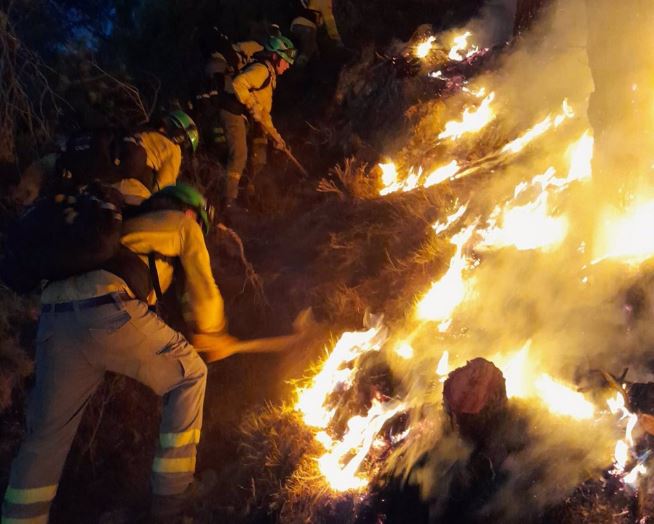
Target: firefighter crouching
x=92, y=323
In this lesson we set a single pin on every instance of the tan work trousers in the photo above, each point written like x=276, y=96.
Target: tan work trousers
x=74, y=349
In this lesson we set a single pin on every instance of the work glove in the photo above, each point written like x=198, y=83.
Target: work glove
x=280, y=145
x=278, y=141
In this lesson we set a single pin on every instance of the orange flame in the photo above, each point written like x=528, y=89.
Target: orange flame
x=423, y=48
x=459, y=45
x=471, y=121
x=626, y=236
x=447, y=293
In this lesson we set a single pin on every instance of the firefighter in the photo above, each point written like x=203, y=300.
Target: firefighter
x=311, y=16
x=223, y=59
x=248, y=100
x=153, y=157
x=136, y=163
x=92, y=323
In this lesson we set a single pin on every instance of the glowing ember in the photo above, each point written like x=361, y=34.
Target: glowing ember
x=562, y=400
x=626, y=237
x=446, y=294
x=442, y=173
x=424, y=47
x=471, y=121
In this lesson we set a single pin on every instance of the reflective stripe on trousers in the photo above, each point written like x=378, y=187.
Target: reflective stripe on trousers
x=74, y=349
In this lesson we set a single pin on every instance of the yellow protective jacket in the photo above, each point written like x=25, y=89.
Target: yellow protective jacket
x=171, y=234
x=326, y=10
x=163, y=156
x=253, y=87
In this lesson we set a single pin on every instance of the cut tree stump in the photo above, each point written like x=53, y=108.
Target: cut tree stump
x=475, y=397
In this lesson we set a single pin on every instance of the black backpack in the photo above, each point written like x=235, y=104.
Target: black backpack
x=69, y=234
x=107, y=155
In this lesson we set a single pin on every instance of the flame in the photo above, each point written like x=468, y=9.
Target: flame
x=440, y=227
x=443, y=367
x=562, y=400
x=529, y=136
x=515, y=373
x=626, y=237
x=389, y=174
x=581, y=158
x=333, y=374
x=404, y=350
x=524, y=227
x=442, y=173
x=341, y=473
x=392, y=184
x=471, y=121
x=424, y=47
x=623, y=453
x=342, y=459
x=446, y=294
x=460, y=44
x=539, y=129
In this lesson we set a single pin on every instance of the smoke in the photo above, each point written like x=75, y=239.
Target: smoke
x=577, y=316
x=494, y=27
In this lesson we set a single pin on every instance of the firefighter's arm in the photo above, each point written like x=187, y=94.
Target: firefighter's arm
x=327, y=12
x=206, y=305
x=270, y=129
x=251, y=79
x=172, y=162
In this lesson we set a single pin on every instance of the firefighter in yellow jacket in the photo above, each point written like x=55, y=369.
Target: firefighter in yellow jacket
x=93, y=323
x=311, y=16
x=156, y=154
x=250, y=97
x=136, y=164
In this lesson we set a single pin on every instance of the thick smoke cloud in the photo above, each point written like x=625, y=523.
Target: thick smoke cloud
x=576, y=315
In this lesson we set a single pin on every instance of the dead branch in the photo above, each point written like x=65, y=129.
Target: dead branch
x=25, y=93
x=251, y=276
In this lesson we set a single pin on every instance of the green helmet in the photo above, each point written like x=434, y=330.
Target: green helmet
x=283, y=47
x=181, y=128
x=193, y=198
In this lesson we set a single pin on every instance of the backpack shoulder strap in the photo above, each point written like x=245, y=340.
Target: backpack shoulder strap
x=153, y=256
x=268, y=79
x=154, y=274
